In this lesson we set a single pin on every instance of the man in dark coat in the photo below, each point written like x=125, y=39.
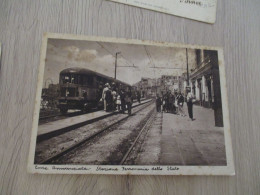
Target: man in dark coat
x=109, y=99
x=171, y=103
x=129, y=100
x=139, y=97
x=158, y=103
x=167, y=102
x=122, y=96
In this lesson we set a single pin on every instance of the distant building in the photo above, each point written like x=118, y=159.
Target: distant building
x=170, y=83
x=147, y=87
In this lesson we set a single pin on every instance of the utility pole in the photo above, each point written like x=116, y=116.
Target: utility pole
x=116, y=62
x=188, y=77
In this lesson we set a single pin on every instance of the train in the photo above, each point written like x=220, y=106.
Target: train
x=81, y=89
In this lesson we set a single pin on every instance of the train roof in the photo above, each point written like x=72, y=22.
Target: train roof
x=84, y=71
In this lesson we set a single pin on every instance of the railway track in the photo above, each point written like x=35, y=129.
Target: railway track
x=73, y=146
x=143, y=130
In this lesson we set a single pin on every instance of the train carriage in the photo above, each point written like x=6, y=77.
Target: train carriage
x=82, y=88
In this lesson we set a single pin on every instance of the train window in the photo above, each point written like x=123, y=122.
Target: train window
x=99, y=79
x=88, y=80
x=69, y=78
x=73, y=79
x=65, y=79
x=80, y=79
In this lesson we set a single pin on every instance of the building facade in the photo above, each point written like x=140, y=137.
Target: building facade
x=205, y=83
x=201, y=80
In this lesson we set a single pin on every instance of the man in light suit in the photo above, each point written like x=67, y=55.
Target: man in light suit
x=106, y=88
x=190, y=99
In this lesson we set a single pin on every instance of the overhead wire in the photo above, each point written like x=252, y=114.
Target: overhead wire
x=125, y=62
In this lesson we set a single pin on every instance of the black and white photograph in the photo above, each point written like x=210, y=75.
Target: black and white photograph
x=115, y=106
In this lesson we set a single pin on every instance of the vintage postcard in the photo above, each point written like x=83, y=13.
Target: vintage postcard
x=201, y=10
x=117, y=106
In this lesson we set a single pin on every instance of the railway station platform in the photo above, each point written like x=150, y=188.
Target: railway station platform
x=185, y=142
x=76, y=121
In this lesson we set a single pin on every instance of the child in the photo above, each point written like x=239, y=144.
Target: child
x=118, y=102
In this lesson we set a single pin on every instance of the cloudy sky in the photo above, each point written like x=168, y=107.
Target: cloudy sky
x=100, y=57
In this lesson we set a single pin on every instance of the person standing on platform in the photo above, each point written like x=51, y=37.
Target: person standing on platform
x=175, y=104
x=138, y=96
x=180, y=104
x=114, y=98
x=129, y=100
x=158, y=103
x=168, y=102
x=109, y=99
x=118, y=103
x=190, y=99
x=171, y=103
x=122, y=97
x=104, y=96
x=164, y=103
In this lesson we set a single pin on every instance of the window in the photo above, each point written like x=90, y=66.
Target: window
x=65, y=78
x=88, y=80
x=198, y=57
x=74, y=79
x=70, y=78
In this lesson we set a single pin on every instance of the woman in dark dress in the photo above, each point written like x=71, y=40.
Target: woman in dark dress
x=109, y=99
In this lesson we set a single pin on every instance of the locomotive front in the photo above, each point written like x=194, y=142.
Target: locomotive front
x=75, y=89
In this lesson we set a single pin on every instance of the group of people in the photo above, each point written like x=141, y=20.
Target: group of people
x=170, y=102
x=120, y=100
x=173, y=103
x=115, y=99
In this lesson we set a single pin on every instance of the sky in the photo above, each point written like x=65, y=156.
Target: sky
x=100, y=57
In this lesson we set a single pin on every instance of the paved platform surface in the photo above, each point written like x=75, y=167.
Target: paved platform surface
x=63, y=123
x=184, y=142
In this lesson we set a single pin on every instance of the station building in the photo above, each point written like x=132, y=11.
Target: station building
x=205, y=83
x=202, y=80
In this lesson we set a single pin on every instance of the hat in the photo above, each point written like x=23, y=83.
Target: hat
x=106, y=84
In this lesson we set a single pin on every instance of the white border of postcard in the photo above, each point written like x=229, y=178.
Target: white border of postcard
x=131, y=170
x=204, y=11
